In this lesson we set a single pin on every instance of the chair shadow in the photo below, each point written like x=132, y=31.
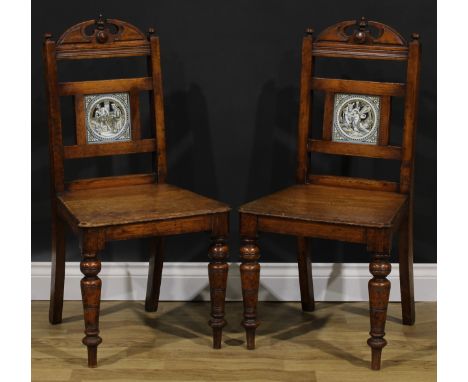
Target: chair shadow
x=102, y=312
x=365, y=312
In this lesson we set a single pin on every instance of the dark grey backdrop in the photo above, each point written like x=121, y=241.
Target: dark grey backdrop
x=231, y=72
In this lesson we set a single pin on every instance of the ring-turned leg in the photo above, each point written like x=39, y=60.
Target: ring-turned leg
x=91, y=293
x=305, y=274
x=58, y=271
x=405, y=254
x=218, y=272
x=379, y=293
x=250, y=279
x=154, y=274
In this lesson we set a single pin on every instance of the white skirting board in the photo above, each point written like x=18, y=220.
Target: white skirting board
x=189, y=281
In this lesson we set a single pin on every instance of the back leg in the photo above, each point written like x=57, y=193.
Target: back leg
x=305, y=274
x=58, y=270
x=154, y=274
x=405, y=253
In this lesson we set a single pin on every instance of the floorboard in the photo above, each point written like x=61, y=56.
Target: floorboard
x=174, y=344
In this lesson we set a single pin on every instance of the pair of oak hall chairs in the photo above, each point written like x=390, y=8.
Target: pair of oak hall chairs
x=356, y=123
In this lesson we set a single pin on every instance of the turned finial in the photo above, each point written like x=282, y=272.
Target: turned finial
x=101, y=36
x=415, y=36
x=100, y=21
x=47, y=36
x=310, y=31
x=151, y=31
x=360, y=36
x=363, y=24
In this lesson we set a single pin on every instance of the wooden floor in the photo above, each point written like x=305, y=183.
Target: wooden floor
x=174, y=344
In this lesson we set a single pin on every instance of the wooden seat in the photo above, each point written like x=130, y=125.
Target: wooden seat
x=135, y=204
x=98, y=210
x=325, y=204
x=356, y=122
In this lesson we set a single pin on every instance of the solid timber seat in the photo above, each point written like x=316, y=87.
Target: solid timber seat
x=334, y=205
x=135, y=204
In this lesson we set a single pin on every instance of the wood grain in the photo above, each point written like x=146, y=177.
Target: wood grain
x=338, y=85
x=105, y=86
x=109, y=149
x=119, y=207
x=136, y=204
x=355, y=149
x=174, y=344
x=343, y=208
x=327, y=204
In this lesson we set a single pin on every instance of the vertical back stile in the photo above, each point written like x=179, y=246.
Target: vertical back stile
x=304, y=108
x=80, y=124
x=410, y=115
x=157, y=107
x=54, y=117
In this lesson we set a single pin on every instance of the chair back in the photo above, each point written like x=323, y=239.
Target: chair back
x=357, y=113
x=107, y=112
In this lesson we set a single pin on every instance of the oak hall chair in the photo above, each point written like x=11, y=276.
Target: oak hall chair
x=121, y=207
x=356, y=123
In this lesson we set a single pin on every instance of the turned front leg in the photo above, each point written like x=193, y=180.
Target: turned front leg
x=91, y=293
x=379, y=293
x=250, y=279
x=218, y=272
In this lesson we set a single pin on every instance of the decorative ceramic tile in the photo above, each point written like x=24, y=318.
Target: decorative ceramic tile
x=356, y=118
x=107, y=118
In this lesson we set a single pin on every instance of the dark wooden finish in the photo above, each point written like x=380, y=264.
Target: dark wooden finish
x=355, y=149
x=154, y=274
x=109, y=149
x=405, y=254
x=342, y=208
x=134, y=206
x=361, y=44
x=58, y=270
x=305, y=274
x=80, y=119
x=328, y=116
x=384, y=130
x=110, y=181
x=315, y=203
x=218, y=272
x=359, y=183
x=304, y=108
x=105, y=86
x=359, y=87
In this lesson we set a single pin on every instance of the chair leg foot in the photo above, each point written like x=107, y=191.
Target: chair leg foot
x=250, y=336
x=218, y=272
x=379, y=293
x=250, y=279
x=376, y=358
x=92, y=356
x=217, y=337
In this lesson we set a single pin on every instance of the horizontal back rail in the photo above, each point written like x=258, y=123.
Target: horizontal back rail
x=363, y=52
x=108, y=149
x=355, y=149
x=110, y=181
x=337, y=85
x=105, y=86
x=359, y=183
x=87, y=51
